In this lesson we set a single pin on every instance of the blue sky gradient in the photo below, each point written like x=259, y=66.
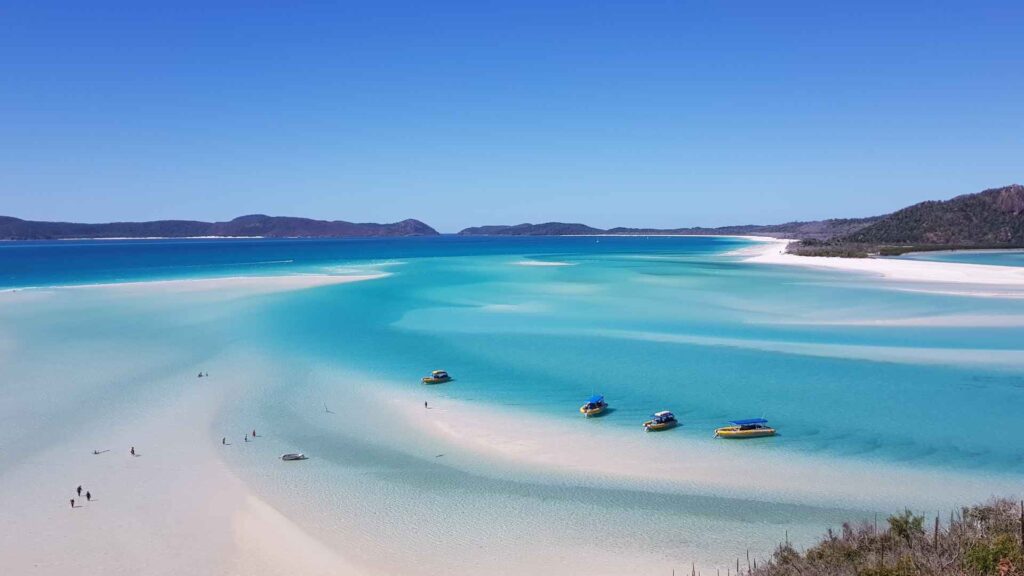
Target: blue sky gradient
x=610, y=113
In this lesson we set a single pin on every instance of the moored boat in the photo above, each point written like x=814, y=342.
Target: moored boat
x=661, y=421
x=594, y=406
x=293, y=456
x=750, y=428
x=437, y=377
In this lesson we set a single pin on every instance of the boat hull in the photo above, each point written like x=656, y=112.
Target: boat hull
x=588, y=412
x=429, y=380
x=650, y=426
x=737, y=434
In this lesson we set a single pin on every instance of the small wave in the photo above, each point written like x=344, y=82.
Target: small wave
x=543, y=263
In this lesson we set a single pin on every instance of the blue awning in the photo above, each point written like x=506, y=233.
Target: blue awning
x=748, y=421
x=596, y=399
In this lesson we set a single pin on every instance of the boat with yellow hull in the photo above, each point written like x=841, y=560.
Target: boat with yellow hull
x=661, y=421
x=594, y=406
x=751, y=428
x=437, y=377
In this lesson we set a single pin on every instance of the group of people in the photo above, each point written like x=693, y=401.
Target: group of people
x=224, y=440
x=88, y=496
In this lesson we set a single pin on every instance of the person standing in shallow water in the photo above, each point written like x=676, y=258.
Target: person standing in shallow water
x=72, y=502
x=133, y=450
x=88, y=497
x=79, y=490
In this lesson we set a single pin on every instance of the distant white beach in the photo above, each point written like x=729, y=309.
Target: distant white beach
x=915, y=275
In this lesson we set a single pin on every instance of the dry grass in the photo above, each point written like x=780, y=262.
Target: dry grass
x=978, y=541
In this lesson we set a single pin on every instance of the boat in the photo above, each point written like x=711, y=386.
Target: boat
x=293, y=456
x=661, y=421
x=594, y=406
x=750, y=428
x=437, y=377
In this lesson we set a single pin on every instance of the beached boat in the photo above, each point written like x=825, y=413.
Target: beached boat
x=750, y=428
x=437, y=377
x=661, y=421
x=594, y=406
x=293, y=456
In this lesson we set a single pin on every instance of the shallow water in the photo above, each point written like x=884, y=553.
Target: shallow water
x=843, y=365
x=991, y=257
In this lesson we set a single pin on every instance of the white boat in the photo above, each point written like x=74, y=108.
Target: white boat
x=293, y=456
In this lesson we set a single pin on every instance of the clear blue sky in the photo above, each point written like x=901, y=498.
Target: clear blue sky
x=610, y=113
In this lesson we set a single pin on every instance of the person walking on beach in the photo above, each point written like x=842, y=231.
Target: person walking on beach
x=246, y=437
x=253, y=432
x=224, y=440
x=88, y=497
x=79, y=490
x=72, y=502
x=425, y=404
x=133, y=450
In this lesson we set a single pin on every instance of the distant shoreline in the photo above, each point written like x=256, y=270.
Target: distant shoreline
x=944, y=277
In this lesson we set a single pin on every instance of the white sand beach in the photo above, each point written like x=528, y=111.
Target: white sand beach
x=238, y=285
x=175, y=508
x=959, y=278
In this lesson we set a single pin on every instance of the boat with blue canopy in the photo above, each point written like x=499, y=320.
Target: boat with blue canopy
x=661, y=421
x=749, y=428
x=594, y=406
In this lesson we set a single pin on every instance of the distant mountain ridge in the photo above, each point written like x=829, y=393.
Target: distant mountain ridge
x=814, y=229
x=993, y=218
x=545, y=229
x=251, y=225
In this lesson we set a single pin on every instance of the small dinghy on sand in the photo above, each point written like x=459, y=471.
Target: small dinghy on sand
x=293, y=456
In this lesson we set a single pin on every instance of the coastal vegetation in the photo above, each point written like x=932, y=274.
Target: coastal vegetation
x=989, y=219
x=982, y=540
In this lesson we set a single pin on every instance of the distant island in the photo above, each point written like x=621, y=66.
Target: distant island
x=992, y=218
x=821, y=229
x=244, y=226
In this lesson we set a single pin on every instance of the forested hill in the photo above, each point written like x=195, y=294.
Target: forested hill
x=995, y=216
x=992, y=218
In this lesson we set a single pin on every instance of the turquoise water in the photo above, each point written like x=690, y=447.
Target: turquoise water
x=651, y=323
x=993, y=257
x=841, y=363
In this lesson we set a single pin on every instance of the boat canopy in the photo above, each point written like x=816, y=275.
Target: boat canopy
x=662, y=414
x=748, y=421
x=439, y=372
x=595, y=399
